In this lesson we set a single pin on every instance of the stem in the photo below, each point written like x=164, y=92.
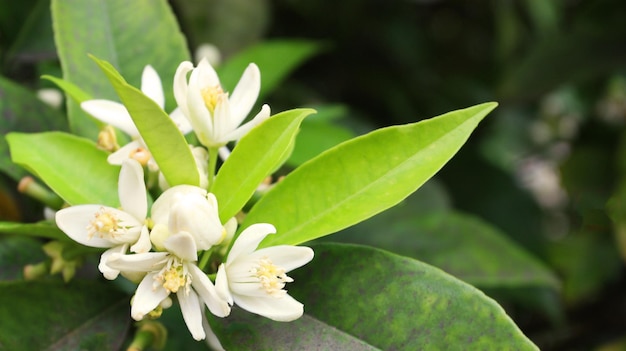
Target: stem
x=205, y=258
x=213, y=152
x=30, y=187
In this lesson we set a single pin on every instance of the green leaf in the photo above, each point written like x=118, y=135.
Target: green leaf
x=73, y=167
x=361, y=177
x=15, y=253
x=50, y=315
x=163, y=138
x=292, y=53
x=76, y=93
x=43, y=229
x=130, y=35
x=255, y=156
x=245, y=331
x=22, y=111
x=460, y=244
x=386, y=301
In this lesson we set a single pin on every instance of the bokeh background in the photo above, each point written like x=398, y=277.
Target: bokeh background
x=545, y=170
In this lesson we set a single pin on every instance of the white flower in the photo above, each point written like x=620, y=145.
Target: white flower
x=189, y=209
x=254, y=280
x=215, y=116
x=116, y=114
x=103, y=226
x=174, y=271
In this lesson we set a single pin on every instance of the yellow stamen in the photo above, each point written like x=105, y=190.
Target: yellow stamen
x=104, y=224
x=174, y=276
x=211, y=96
x=271, y=277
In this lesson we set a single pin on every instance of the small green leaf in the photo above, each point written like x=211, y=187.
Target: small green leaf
x=69, y=88
x=51, y=315
x=242, y=330
x=164, y=140
x=397, y=303
x=130, y=35
x=291, y=53
x=22, y=111
x=361, y=177
x=255, y=156
x=43, y=229
x=73, y=167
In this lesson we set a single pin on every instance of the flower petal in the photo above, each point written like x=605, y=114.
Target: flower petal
x=151, y=86
x=199, y=115
x=180, y=86
x=108, y=272
x=183, y=246
x=221, y=285
x=143, y=244
x=192, y=313
x=249, y=239
x=286, y=256
x=211, y=339
x=123, y=153
x=112, y=113
x=147, y=297
x=141, y=262
x=75, y=220
x=162, y=206
x=205, y=75
x=283, y=309
x=221, y=121
x=204, y=287
x=245, y=95
x=194, y=214
x=244, y=129
x=132, y=191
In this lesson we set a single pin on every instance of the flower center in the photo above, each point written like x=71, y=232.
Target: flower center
x=141, y=155
x=174, y=276
x=211, y=96
x=271, y=277
x=104, y=224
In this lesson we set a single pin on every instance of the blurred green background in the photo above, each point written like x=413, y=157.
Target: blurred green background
x=545, y=170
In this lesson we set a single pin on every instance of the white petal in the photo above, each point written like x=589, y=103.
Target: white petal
x=112, y=113
x=221, y=284
x=178, y=117
x=221, y=121
x=283, y=309
x=141, y=262
x=245, y=94
x=199, y=115
x=123, y=153
x=180, y=86
x=203, y=286
x=143, y=244
x=205, y=75
x=194, y=214
x=249, y=239
x=162, y=206
x=108, y=272
x=286, y=256
x=211, y=339
x=192, y=313
x=224, y=153
x=147, y=297
x=183, y=246
x=151, y=85
x=132, y=191
x=75, y=220
x=244, y=129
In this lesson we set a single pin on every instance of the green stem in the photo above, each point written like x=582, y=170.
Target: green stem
x=206, y=255
x=30, y=187
x=213, y=155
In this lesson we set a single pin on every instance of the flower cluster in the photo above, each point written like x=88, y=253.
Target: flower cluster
x=166, y=247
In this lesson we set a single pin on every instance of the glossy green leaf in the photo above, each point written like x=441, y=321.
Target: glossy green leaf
x=15, y=253
x=245, y=331
x=22, y=111
x=361, y=177
x=43, y=229
x=130, y=35
x=292, y=53
x=51, y=315
x=386, y=301
x=75, y=92
x=73, y=167
x=254, y=158
x=460, y=244
x=163, y=138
